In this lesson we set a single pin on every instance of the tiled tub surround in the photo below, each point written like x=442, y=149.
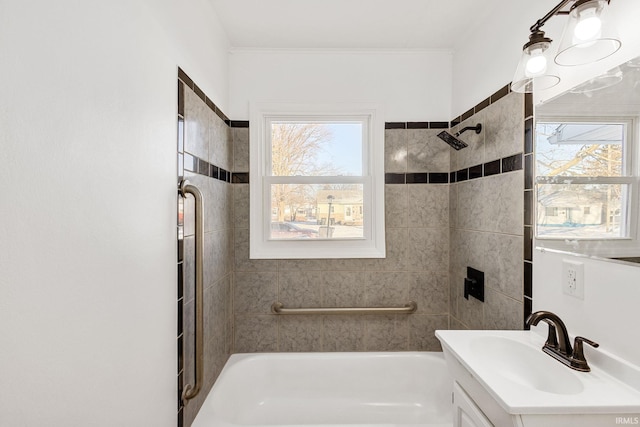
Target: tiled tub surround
x=445, y=210
x=204, y=158
x=487, y=215
x=416, y=267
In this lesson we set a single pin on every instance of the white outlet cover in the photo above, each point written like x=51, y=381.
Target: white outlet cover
x=573, y=278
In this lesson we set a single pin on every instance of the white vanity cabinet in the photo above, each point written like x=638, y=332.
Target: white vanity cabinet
x=465, y=411
x=503, y=379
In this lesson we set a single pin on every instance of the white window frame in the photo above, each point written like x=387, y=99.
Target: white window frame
x=612, y=246
x=372, y=178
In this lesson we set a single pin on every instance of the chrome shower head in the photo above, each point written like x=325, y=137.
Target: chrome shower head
x=456, y=142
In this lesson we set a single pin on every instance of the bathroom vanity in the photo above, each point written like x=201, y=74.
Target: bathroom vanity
x=502, y=378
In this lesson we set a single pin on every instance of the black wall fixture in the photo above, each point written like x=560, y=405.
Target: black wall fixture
x=474, y=284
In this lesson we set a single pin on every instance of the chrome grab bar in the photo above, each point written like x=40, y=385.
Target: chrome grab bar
x=190, y=391
x=410, y=307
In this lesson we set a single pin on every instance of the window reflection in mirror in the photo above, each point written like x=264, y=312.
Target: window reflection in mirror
x=587, y=166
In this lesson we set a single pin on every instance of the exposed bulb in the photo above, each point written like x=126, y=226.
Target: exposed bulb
x=536, y=64
x=587, y=29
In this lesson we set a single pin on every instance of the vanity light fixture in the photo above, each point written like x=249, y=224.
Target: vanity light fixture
x=586, y=38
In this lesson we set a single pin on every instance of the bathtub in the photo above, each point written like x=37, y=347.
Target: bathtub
x=330, y=389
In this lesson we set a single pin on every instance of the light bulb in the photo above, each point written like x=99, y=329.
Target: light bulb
x=536, y=64
x=587, y=29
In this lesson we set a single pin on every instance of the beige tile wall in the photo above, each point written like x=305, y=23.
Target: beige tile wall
x=487, y=221
x=416, y=267
x=209, y=138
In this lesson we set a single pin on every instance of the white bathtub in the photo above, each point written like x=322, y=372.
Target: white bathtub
x=303, y=389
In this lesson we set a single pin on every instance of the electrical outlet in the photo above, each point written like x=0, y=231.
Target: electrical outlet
x=573, y=278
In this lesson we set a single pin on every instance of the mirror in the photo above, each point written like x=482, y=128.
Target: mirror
x=587, y=162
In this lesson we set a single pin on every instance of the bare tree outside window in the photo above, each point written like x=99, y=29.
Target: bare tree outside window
x=574, y=160
x=312, y=150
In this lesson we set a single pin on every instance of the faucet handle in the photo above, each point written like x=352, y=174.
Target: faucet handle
x=578, y=353
x=552, y=336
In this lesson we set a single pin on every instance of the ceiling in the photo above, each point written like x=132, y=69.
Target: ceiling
x=352, y=24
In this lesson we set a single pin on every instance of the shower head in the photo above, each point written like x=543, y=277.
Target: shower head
x=452, y=140
x=456, y=142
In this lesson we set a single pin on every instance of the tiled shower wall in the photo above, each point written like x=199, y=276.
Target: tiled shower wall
x=437, y=223
x=488, y=229
x=204, y=158
x=416, y=266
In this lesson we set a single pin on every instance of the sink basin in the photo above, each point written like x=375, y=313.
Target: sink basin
x=525, y=365
x=511, y=367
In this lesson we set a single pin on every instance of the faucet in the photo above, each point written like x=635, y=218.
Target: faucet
x=558, y=345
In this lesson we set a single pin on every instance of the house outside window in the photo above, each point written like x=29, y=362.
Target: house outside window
x=585, y=178
x=319, y=168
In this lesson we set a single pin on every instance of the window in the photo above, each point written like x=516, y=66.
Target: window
x=585, y=178
x=319, y=171
x=548, y=211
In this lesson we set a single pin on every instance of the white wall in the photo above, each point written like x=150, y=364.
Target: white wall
x=609, y=312
x=488, y=58
x=412, y=85
x=87, y=221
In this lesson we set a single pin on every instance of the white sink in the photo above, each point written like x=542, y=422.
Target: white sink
x=512, y=368
x=525, y=365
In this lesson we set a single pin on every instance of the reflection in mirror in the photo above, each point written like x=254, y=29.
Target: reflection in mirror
x=587, y=167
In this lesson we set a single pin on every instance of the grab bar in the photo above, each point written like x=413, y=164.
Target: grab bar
x=410, y=307
x=191, y=391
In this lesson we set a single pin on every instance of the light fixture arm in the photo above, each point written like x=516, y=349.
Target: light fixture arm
x=553, y=12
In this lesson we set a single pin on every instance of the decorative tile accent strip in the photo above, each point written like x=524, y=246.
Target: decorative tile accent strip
x=438, y=178
x=528, y=136
x=180, y=98
x=526, y=312
x=467, y=114
x=512, y=163
x=475, y=172
x=528, y=105
x=416, y=125
x=462, y=175
x=496, y=96
x=528, y=279
x=482, y=105
x=394, y=178
x=207, y=169
x=528, y=172
x=501, y=93
x=239, y=123
x=395, y=125
x=240, y=177
x=528, y=208
x=438, y=125
x=416, y=178
x=528, y=243
x=492, y=168
x=191, y=85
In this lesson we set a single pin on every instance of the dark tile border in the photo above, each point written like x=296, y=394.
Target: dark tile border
x=528, y=307
x=495, y=97
x=239, y=123
x=416, y=125
x=496, y=167
x=417, y=178
x=394, y=178
x=512, y=163
x=186, y=80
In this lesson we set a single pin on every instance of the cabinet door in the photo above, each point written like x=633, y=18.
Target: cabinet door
x=465, y=411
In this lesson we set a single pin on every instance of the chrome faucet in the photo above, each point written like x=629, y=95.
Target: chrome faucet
x=558, y=345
